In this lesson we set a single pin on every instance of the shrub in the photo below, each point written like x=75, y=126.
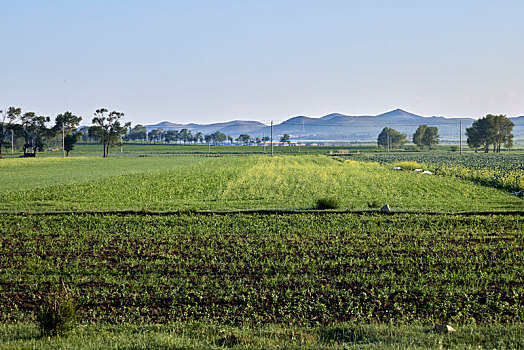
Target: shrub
x=454, y=148
x=412, y=148
x=327, y=203
x=58, y=313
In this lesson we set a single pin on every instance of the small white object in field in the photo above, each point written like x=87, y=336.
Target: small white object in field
x=427, y=172
x=444, y=328
x=518, y=193
x=397, y=168
x=417, y=170
x=385, y=209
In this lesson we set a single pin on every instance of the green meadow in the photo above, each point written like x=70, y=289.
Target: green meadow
x=233, y=183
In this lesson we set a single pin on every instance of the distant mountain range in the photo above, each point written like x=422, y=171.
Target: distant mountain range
x=338, y=126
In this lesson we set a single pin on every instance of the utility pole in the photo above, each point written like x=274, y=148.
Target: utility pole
x=460, y=137
x=271, y=138
x=12, y=141
x=264, y=140
x=63, y=140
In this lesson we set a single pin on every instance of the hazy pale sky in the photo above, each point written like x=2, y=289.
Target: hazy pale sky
x=209, y=61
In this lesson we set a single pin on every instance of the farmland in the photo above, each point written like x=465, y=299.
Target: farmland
x=133, y=149
x=505, y=171
x=232, y=183
x=291, y=269
x=231, y=246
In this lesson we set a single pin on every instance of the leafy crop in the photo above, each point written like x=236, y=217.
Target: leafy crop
x=504, y=171
x=294, y=268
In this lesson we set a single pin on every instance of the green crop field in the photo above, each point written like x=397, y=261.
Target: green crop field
x=264, y=268
x=133, y=149
x=294, y=269
x=232, y=183
x=499, y=170
x=186, y=270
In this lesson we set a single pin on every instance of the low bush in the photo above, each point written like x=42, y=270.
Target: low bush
x=58, y=314
x=327, y=203
x=412, y=148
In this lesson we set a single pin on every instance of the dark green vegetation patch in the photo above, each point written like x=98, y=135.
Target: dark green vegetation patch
x=499, y=170
x=296, y=268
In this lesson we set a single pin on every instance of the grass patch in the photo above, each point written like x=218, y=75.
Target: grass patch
x=215, y=336
x=327, y=203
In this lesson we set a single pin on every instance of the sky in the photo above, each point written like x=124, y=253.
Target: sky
x=210, y=61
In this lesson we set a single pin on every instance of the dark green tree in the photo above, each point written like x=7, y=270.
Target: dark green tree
x=185, y=135
x=244, y=138
x=8, y=118
x=426, y=136
x=138, y=132
x=218, y=137
x=418, y=135
x=171, y=135
x=156, y=135
x=66, y=124
x=285, y=138
x=431, y=137
x=84, y=133
x=392, y=137
x=70, y=140
x=199, y=137
x=474, y=139
x=34, y=133
x=490, y=130
x=108, y=128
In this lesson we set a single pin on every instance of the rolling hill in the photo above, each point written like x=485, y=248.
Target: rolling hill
x=336, y=126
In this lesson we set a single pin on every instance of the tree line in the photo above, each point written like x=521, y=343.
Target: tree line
x=424, y=136
x=32, y=129
x=107, y=128
x=491, y=130
x=140, y=133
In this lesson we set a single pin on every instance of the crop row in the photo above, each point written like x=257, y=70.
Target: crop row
x=296, y=268
x=503, y=170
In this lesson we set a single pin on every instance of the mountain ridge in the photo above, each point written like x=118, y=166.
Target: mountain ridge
x=338, y=126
